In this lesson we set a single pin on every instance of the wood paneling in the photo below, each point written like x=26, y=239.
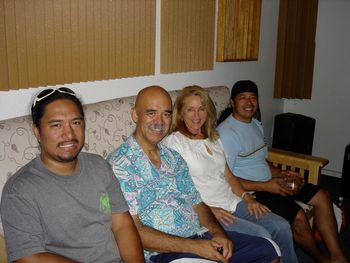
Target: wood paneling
x=49, y=42
x=238, y=30
x=187, y=35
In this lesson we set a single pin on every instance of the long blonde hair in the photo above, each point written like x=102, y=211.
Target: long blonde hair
x=209, y=127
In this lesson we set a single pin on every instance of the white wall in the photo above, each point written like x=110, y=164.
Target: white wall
x=330, y=103
x=16, y=103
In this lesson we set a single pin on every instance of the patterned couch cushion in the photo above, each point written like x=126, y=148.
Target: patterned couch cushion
x=108, y=123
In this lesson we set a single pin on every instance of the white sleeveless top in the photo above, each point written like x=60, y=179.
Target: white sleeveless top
x=206, y=170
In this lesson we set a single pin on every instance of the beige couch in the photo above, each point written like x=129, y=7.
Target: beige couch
x=108, y=123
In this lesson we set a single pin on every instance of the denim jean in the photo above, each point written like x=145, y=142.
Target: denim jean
x=269, y=226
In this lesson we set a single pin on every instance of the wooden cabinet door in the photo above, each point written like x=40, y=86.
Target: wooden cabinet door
x=238, y=30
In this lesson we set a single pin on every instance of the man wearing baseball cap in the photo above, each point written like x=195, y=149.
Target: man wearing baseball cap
x=246, y=152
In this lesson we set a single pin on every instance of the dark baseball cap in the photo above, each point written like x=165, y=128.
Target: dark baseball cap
x=243, y=86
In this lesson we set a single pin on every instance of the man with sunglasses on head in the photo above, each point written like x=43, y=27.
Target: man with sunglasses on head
x=66, y=205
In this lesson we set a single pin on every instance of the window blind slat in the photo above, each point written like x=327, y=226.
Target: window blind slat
x=21, y=43
x=111, y=39
x=72, y=57
x=118, y=41
x=104, y=39
x=97, y=35
x=236, y=34
x=255, y=29
x=40, y=43
x=50, y=41
x=130, y=31
x=150, y=36
x=11, y=43
x=58, y=41
x=82, y=17
x=32, y=50
x=141, y=35
x=90, y=39
x=3, y=49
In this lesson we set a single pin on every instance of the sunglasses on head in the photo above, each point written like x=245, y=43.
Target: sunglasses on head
x=48, y=92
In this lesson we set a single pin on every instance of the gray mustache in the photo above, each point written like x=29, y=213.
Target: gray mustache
x=157, y=127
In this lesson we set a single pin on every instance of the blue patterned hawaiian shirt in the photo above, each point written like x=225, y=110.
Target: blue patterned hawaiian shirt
x=162, y=198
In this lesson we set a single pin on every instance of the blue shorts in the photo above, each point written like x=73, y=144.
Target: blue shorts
x=246, y=248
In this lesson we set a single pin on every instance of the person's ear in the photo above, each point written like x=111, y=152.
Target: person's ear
x=232, y=103
x=134, y=116
x=36, y=132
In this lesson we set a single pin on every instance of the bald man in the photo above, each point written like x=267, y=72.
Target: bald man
x=169, y=214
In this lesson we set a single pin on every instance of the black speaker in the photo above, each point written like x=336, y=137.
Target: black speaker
x=293, y=132
x=345, y=177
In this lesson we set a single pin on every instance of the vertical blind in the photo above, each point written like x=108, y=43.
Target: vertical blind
x=48, y=42
x=238, y=30
x=187, y=35
x=295, y=49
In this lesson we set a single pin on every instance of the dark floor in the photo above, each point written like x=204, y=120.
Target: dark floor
x=332, y=184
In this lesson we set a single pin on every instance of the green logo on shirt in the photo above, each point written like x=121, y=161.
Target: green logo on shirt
x=104, y=204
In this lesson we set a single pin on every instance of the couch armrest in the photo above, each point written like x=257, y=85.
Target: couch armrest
x=298, y=162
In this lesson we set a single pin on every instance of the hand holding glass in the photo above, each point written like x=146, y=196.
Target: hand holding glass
x=292, y=180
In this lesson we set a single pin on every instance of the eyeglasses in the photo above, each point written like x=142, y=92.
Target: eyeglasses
x=48, y=92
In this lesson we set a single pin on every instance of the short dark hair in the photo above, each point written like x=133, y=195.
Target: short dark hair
x=244, y=86
x=237, y=88
x=39, y=106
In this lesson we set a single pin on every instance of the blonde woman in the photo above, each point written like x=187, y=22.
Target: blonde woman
x=194, y=136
